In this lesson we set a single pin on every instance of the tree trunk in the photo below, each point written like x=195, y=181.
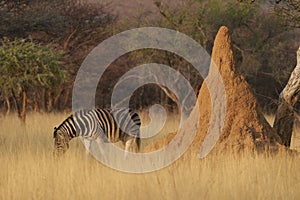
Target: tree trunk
x=8, y=105
x=24, y=106
x=35, y=101
x=50, y=101
x=284, y=119
x=296, y=132
x=57, y=97
x=67, y=96
x=17, y=106
x=43, y=99
x=36, y=106
x=284, y=122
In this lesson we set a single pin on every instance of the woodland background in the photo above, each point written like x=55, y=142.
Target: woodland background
x=45, y=42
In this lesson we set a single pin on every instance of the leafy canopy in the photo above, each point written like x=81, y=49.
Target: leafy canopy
x=25, y=65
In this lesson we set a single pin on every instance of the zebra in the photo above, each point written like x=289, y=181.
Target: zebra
x=100, y=125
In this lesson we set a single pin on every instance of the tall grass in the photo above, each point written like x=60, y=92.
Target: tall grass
x=28, y=171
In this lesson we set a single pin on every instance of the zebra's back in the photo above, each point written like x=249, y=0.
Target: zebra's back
x=111, y=125
x=119, y=123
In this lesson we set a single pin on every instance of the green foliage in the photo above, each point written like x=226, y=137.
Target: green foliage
x=289, y=10
x=74, y=27
x=25, y=65
x=223, y=13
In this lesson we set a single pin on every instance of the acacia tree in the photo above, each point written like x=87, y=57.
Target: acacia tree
x=73, y=26
x=26, y=66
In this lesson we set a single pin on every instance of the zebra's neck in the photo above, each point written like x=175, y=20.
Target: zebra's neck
x=68, y=128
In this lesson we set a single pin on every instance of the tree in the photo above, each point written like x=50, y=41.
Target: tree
x=289, y=9
x=262, y=41
x=72, y=26
x=289, y=104
x=25, y=66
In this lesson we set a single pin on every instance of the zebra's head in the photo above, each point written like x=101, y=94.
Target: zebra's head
x=61, y=141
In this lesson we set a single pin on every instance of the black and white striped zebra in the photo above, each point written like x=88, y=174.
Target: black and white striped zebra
x=101, y=125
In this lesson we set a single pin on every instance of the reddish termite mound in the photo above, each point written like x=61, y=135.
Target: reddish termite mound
x=244, y=126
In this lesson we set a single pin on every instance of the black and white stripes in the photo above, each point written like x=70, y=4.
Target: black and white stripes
x=101, y=125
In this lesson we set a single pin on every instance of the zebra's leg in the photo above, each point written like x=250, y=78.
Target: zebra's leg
x=87, y=144
x=128, y=145
x=100, y=147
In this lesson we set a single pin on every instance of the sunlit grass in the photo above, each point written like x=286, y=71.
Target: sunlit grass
x=28, y=171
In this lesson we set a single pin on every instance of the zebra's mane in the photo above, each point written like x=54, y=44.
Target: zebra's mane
x=61, y=125
x=70, y=117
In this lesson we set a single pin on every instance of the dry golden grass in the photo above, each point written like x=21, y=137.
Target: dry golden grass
x=28, y=171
